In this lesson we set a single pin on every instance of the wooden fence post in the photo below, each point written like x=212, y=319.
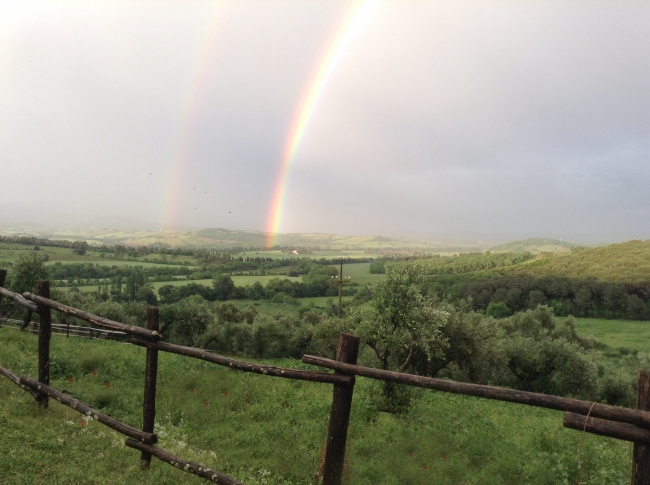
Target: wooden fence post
x=3, y=276
x=347, y=351
x=44, y=336
x=151, y=373
x=641, y=453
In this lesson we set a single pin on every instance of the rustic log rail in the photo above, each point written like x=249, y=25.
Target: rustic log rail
x=89, y=317
x=621, y=423
x=267, y=370
x=18, y=298
x=16, y=380
x=603, y=427
x=188, y=466
x=64, y=329
x=86, y=410
x=612, y=413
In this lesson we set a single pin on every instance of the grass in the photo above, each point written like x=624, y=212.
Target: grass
x=313, y=254
x=11, y=251
x=360, y=273
x=272, y=431
x=238, y=280
x=617, y=334
x=116, y=262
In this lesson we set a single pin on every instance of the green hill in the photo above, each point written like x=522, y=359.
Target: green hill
x=534, y=245
x=625, y=262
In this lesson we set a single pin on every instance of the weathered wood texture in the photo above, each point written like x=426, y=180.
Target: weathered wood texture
x=86, y=410
x=150, y=377
x=72, y=330
x=189, y=467
x=3, y=276
x=16, y=380
x=337, y=433
x=27, y=320
x=18, y=299
x=641, y=451
x=267, y=370
x=44, y=337
x=603, y=427
x=603, y=411
x=89, y=317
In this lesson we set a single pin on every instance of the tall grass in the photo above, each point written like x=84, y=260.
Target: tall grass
x=270, y=431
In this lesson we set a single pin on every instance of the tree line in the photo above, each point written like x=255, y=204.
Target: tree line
x=505, y=295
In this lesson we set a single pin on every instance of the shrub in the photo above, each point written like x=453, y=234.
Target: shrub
x=498, y=310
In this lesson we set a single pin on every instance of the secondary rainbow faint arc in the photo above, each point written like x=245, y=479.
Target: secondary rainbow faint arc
x=349, y=27
x=190, y=111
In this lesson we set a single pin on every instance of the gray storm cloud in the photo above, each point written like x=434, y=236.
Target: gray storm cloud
x=441, y=118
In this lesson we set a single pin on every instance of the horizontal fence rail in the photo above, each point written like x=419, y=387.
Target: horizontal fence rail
x=86, y=410
x=603, y=427
x=267, y=370
x=188, y=466
x=612, y=413
x=64, y=329
x=16, y=380
x=89, y=317
x=18, y=298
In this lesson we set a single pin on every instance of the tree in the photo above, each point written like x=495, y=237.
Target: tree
x=637, y=310
x=27, y=270
x=583, y=300
x=223, y=287
x=536, y=298
x=498, y=310
x=185, y=322
x=405, y=319
x=405, y=322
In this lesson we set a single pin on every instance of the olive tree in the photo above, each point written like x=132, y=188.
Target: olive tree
x=405, y=319
x=26, y=271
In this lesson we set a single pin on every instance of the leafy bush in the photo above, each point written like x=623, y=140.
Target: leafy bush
x=498, y=310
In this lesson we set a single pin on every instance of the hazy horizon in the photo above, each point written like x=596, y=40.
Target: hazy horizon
x=457, y=120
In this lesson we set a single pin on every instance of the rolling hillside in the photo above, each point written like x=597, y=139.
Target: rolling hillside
x=534, y=245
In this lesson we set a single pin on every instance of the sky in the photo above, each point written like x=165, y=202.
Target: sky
x=432, y=119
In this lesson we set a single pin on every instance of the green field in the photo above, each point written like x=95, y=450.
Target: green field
x=617, y=334
x=271, y=431
x=313, y=254
x=11, y=251
x=360, y=273
x=116, y=262
x=357, y=271
x=238, y=280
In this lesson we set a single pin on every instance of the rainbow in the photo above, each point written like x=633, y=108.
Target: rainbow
x=349, y=27
x=190, y=111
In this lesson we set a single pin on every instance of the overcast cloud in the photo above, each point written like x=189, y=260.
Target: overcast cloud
x=441, y=118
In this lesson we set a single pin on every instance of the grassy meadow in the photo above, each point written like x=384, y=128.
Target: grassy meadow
x=265, y=430
x=619, y=335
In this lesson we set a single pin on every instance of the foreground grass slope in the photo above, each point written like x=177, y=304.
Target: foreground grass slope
x=265, y=430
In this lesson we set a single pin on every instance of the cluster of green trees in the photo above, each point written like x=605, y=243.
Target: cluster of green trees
x=585, y=298
x=459, y=264
x=90, y=271
x=318, y=282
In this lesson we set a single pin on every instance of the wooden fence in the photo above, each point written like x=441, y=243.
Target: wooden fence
x=616, y=422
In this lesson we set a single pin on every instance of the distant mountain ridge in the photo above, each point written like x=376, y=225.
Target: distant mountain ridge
x=535, y=245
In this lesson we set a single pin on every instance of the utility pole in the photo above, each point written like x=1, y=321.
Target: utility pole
x=340, y=280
